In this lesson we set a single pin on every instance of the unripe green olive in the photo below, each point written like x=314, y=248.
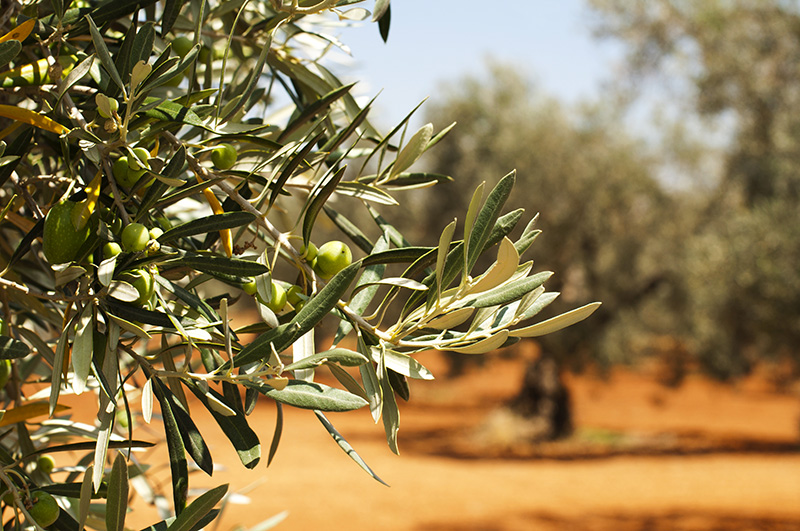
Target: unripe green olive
x=277, y=298
x=111, y=249
x=44, y=510
x=61, y=239
x=143, y=281
x=331, y=258
x=250, y=287
x=135, y=237
x=125, y=174
x=224, y=156
x=295, y=295
x=309, y=253
x=46, y=463
x=182, y=45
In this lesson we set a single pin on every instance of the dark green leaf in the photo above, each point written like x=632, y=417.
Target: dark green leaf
x=11, y=349
x=484, y=222
x=117, y=502
x=213, y=263
x=133, y=313
x=213, y=223
x=199, y=508
x=316, y=201
x=315, y=309
x=235, y=428
x=294, y=161
x=177, y=451
x=169, y=111
x=315, y=108
x=192, y=440
x=172, y=9
x=103, y=53
x=276, y=436
x=9, y=50
x=73, y=490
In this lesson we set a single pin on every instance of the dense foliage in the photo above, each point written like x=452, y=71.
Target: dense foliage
x=165, y=161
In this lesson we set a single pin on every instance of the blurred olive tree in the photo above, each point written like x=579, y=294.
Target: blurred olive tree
x=738, y=61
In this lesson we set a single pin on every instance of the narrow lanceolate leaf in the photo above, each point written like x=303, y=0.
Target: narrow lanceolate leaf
x=169, y=111
x=483, y=346
x=58, y=363
x=103, y=54
x=398, y=282
x=194, y=513
x=486, y=218
x=309, y=395
x=9, y=50
x=503, y=268
x=177, y=451
x=85, y=497
x=82, y=350
x=557, y=323
x=511, y=291
x=441, y=254
x=192, y=440
x=235, y=427
x=412, y=151
x=345, y=446
x=389, y=411
x=212, y=263
x=529, y=234
x=117, y=502
x=342, y=356
x=406, y=365
x=315, y=202
x=33, y=118
x=533, y=303
x=11, y=349
x=217, y=222
x=366, y=193
x=304, y=348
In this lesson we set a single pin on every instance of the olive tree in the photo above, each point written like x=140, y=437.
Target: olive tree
x=162, y=163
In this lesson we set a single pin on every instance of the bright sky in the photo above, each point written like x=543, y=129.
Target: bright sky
x=432, y=41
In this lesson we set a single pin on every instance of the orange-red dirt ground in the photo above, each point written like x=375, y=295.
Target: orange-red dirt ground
x=703, y=456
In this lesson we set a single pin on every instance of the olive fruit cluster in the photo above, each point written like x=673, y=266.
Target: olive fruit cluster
x=128, y=170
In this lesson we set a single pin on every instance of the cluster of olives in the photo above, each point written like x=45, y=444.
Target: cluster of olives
x=128, y=170
x=326, y=261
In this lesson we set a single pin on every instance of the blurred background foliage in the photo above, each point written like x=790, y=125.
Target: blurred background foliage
x=703, y=275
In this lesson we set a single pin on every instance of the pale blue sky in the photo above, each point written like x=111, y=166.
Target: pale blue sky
x=432, y=41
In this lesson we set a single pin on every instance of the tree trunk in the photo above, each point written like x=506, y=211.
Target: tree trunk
x=544, y=399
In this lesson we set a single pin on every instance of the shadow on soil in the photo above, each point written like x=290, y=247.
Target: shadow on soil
x=682, y=521
x=597, y=444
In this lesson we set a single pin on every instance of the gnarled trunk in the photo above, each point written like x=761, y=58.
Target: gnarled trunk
x=544, y=399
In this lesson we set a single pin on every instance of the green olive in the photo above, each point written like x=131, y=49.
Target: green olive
x=224, y=156
x=44, y=510
x=61, y=239
x=143, y=281
x=331, y=258
x=277, y=299
x=182, y=45
x=111, y=249
x=46, y=463
x=135, y=237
